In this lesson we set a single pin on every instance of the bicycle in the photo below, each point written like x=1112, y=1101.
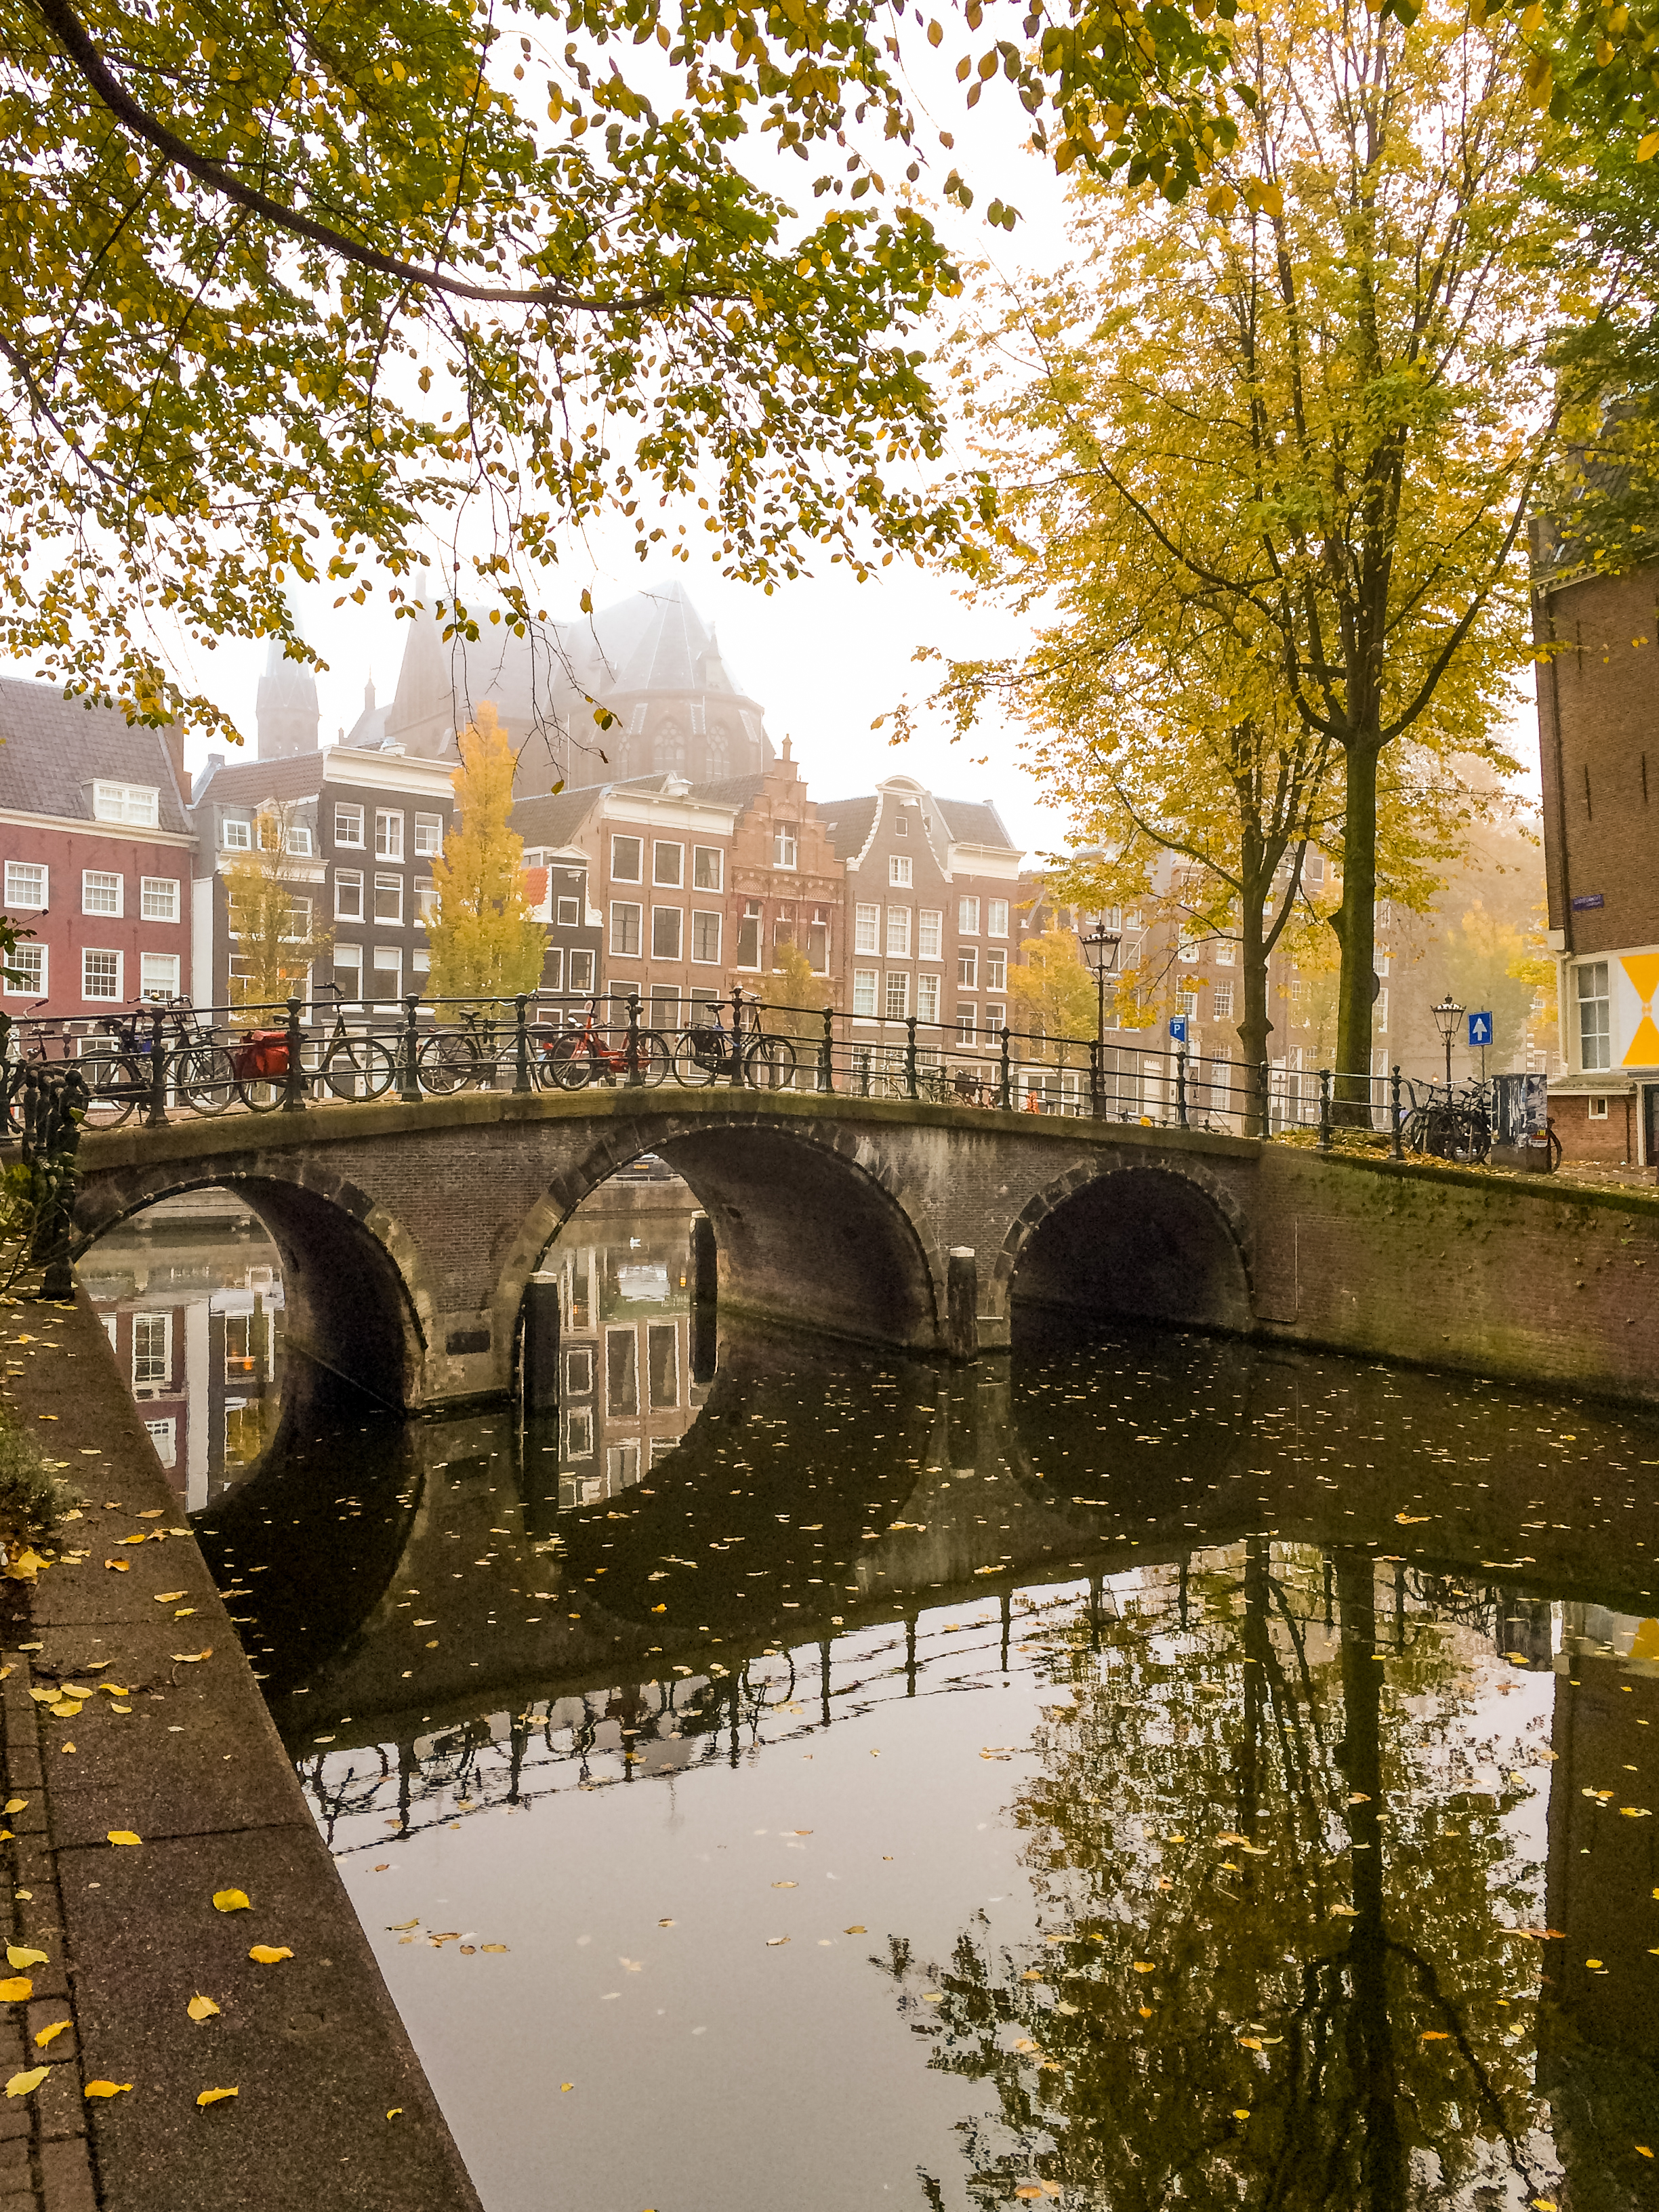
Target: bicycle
x=352, y=1064
x=120, y=1069
x=576, y=1057
x=708, y=1053
x=1448, y=1125
x=452, y=1059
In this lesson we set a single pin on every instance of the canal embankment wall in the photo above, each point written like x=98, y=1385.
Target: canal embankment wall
x=331, y=2107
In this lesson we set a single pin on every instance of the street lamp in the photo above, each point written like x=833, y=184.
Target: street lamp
x=1100, y=943
x=1446, y=1015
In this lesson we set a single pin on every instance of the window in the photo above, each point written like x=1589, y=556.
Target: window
x=927, y=998
x=1221, y=1002
x=995, y=1016
x=968, y=917
x=349, y=968
x=30, y=962
x=996, y=917
x=420, y=961
x=817, y=941
x=348, y=894
x=707, y=868
x=896, y=1005
x=930, y=931
x=236, y=833
x=967, y=970
x=1381, y=1010
x=348, y=825
x=299, y=839
x=158, y=974
x=425, y=899
x=100, y=974
x=1226, y=953
x=428, y=835
x=1187, y=1004
x=705, y=938
x=388, y=836
x=622, y=1378
x=158, y=897
x=126, y=802
x=164, y=1435
x=569, y=914
x=627, y=857
x=996, y=971
x=552, y=969
x=1595, y=1016
x=666, y=923
x=748, y=935
x=1190, y=945
x=898, y=869
x=625, y=918
x=662, y=1367
x=864, y=990
x=1597, y=1108
x=867, y=928
x=784, y=847
x=668, y=865
x=581, y=973
x=901, y=827
x=26, y=885
x=152, y=1348
x=388, y=898
x=100, y=891
x=898, y=933
x=388, y=971
x=967, y=1022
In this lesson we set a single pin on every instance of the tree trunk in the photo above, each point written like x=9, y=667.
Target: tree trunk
x=1254, y=1028
x=1355, y=923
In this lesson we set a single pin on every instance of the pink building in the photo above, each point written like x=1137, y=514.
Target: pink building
x=96, y=849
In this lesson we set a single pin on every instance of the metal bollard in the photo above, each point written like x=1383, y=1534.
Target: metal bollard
x=1097, y=1083
x=737, y=1075
x=522, y=1082
x=910, y=1057
x=962, y=1303
x=1004, y=1086
x=538, y=1364
x=827, y=1054
x=1181, y=1090
x=294, y=1076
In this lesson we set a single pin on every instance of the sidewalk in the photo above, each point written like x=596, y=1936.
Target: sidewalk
x=332, y=2109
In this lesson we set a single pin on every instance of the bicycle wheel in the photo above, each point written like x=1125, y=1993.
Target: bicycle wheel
x=770, y=1064
x=359, y=1068
x=261, y=1094
x=656, y=1057
x=1554, y=1143
x=447, y=1061
x=569, y=1064
x=694, y=1065
x=205, y=1077
x=115, y=1086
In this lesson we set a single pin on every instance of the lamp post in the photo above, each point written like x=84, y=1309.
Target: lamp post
x=1100, y=943
x=1446, y=1015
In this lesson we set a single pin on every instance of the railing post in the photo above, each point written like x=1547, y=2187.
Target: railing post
x=409, y=1072
x=1262, y=1072
x=910, y=1056
x=827, y=1053
x=1181, y=1089
x=1097, y=1080
x=157, y=1116
x=294, y=1076
x=522, y=1082
x=736, y=1078
x=1397, y=1148
x=635, y=1078
x=1324, y=1109
x=1004, y=1090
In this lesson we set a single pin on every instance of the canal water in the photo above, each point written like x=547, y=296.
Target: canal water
x=1151, y=1771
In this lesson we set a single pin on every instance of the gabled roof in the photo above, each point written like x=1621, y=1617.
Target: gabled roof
x=53, y=748
x=738, y=791
x=246, y=782
x=971, y=822
x=547, y=821
x=848, y=822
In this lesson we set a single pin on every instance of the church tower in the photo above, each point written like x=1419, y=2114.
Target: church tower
x=286, y=712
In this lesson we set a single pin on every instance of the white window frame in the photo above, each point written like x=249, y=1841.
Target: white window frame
x=896, y=994
x=927, y=998
x=704, y=915
x=348, y=963
x=18, y=901
x=996, y=917
x=168, y=987
x=1221, y=1001
x=155, y=1370
x=1595, y=1109
x=158, y=898
x=786, y=846
x=567, y=912
x=348, y=825
x=28, y=956
x=299, y=839
x=967, y=1025
x=385, y=880
x=381, y=966
x=235, y=834
x=428, y=835
x=388, y=833
x=580, y=981
x=996, y=971
x=659, y=915
x=138, y=804
x=968, y=917
x=348, y=880
x=996, y=1017
x=865, y=984
x=898, y=933
x=930, y=933
x=707, y=868
x=1594, y=1037
x=620, y=875
x=111, y=884
x=101, y=998
x=967, y=968
x=867, y=927
x=676, y=881
x=426, y=901
x=900, y=872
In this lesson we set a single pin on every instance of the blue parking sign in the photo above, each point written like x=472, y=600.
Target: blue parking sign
x=1479, y=1028
x=1178, y=1029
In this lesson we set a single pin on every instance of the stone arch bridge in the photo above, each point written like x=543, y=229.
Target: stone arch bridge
x=408, y=1231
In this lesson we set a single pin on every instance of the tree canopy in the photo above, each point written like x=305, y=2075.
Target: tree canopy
x=485, y=942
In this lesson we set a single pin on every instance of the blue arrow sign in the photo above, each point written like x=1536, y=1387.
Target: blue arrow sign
x=1178, y=1029
x=1479, y=1028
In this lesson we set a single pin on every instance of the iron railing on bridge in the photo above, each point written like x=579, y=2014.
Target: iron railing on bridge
x=158, y=1060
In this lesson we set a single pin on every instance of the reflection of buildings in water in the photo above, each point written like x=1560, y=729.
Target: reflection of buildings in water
x=191, y=1297
x=626, y=1396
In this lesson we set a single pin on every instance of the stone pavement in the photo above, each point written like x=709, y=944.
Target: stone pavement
x=331, y=2107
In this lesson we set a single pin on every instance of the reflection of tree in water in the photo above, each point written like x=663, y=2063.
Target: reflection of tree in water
x=1271, y=1969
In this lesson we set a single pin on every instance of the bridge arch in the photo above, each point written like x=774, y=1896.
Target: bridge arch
x=811, y=1225
x=353, y=1284
x=1132, y=1241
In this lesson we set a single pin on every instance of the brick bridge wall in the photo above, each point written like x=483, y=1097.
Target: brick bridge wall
x=408, y=1231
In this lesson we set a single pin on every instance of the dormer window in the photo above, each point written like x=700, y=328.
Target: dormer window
x=901, y=826
x=236, y=833
x=138, y=803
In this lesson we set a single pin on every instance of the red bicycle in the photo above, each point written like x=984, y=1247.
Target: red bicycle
x=575, y=1058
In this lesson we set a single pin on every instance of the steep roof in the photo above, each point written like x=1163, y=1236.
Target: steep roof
x=53, y=748
x=738, y=791
x=246, y=782
x=971, y=822
x=552, y=822
x=286, y=683
x=848, y=823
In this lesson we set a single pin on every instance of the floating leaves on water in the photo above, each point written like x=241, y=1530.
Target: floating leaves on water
x=1434, y=2035
x=402, y=1927
x=501, y=1947
x=1250, y=2042
x=231, y=1901
x=22, y=2085
x=1345, y=1912
x=46, y=2034
x=857, y=1927
x=17, y=1990
x=124, y=1836
x=201, y=2008
x=213, y=2096
x=19, y=1956
x=267, y=1955
x=1410, y=1520
x=107, y=2088
x=1144, y=1967
x=786, y=1885
x=773, y=1942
